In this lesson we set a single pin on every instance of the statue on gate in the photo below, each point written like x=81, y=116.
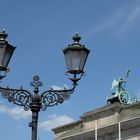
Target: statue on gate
x=119, y=93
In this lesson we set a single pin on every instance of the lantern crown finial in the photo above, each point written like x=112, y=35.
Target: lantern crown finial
x=76, y=38
x=3, y=35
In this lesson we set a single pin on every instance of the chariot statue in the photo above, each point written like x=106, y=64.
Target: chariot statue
x=119, y=93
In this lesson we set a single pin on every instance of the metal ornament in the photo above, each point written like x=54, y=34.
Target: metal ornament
x=36, y=102
x=19, y=97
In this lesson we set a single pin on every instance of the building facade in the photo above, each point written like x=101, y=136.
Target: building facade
x=112, y=122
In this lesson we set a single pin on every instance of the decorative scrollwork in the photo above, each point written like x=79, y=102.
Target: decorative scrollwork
x=48, y=98
x=54, y=97
x=19, y=97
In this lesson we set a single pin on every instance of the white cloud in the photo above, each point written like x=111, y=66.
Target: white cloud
x=1, y=101
x=132, y=14
x=55, y=121
x=16, y=113
x=59, y=88
x=119, y=21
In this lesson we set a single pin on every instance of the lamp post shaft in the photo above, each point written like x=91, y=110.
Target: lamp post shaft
x=34, y=125
x=35, y=108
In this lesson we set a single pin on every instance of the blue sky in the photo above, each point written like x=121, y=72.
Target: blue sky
x=41, y=29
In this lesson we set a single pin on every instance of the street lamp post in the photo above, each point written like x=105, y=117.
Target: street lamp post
x=75, y=55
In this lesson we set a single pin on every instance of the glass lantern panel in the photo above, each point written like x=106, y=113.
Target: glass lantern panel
x=75, y=59
x=68, y=59
x=83, y=59
x=7, y=56
x=2, y=50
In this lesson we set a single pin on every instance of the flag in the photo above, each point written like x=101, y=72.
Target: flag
x=128, y=73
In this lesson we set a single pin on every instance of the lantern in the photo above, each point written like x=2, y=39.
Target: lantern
x=76, y=56
x=6, y=51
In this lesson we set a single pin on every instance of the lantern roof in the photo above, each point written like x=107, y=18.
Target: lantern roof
x=76, y=44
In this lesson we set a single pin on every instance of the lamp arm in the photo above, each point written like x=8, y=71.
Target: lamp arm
x=53, y=97
x=19, y=97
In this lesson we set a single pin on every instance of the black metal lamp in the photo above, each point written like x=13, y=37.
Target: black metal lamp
x=6, y=51
x=76, y=56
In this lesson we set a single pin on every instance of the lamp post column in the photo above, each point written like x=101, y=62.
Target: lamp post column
x=35, y=108
x=34, y=125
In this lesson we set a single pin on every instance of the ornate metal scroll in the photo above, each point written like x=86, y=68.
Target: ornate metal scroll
x=48, y=98
x=54, y=97
x=19, y=97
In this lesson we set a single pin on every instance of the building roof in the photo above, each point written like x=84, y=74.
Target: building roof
x=107, y=116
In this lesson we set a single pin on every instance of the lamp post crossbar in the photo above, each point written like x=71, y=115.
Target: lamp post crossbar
x=49, y=98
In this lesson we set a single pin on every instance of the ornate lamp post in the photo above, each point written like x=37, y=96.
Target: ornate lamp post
x=75, y=55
